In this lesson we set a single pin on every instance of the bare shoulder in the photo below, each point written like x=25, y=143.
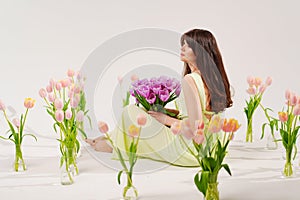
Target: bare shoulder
x=188, y=81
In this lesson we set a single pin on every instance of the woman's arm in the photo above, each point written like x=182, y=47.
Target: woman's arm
x=192, y=101
x=193, y=105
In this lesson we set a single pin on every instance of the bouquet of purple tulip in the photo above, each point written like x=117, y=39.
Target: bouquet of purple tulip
x=154, y=94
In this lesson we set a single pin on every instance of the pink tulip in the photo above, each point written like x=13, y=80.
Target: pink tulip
x=52, y=82
x=80, y=116
x=134, y=77
x=77, y=89
x=288, y=94
x=269, y=81
x=51, y=97
x=70, y=93
x=2, y=105
x=102, y=126
x=141, y=119
x=199, y=137
x=49, y=88
x=42, y=93
x=65, y=83
x=293, y=99
x=16, y=122
x=199, y=125
x=58, y=104
x=176, y=128
x=262, y=89
x=250, y=80
x=68, y=114
x=58, y=86
x=74, y=102
x=251, y=91
x=257, y=81
x=29, y=103
x=283, y=116
x=59, y=115
x=297, y=110
x=70, y=73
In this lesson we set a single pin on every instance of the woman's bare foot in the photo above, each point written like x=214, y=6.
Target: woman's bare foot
x=99, y=144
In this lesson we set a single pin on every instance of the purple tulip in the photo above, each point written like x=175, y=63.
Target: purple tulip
x=156, y=88
x=178, y=90
x=163, y=79
x=143, y=91
x=164, y=95
x=151, y=98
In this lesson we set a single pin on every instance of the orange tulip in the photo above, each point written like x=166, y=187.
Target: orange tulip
x=29, y=103
x=133, y=131
x=230, y=125
x=283, y=116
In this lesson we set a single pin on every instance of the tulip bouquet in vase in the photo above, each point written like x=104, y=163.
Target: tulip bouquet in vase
x=289, y=129
x=255, y=90
x=16, y=130
x=62, y=100
x=210, y=142
x=129, y=192
x=156, y=93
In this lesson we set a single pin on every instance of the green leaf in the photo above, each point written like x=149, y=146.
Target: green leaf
x=31, y=136
x=263, y=130
x=119, y=176
x=226, y=167
x=202, y=184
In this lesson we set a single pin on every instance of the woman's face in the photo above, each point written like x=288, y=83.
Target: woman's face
x=187, y=55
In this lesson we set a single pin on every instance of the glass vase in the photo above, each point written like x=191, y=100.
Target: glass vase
x=130, y=192
x=271, y=143
x=249, y=137
x=68, y=166
x=288, y=170
x=212, y=192
x=19, y=164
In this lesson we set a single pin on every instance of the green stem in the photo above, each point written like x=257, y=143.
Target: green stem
x=189, y=149
x=249, y=130
x=212, y=192
x=19, y=157
x=288, y=168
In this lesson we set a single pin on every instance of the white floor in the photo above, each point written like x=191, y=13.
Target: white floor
x=256, y=175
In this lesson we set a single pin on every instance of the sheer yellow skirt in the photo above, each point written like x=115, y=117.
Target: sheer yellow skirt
x=157, y=142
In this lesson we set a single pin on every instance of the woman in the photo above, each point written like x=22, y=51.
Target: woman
x=206, y=91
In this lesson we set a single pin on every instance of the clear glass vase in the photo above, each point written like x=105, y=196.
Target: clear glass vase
x=19, y=164
x=249, y=137
x=130, y=192
x=288, y=170
x=271, y=143
x=212, y=192
x=68, y=167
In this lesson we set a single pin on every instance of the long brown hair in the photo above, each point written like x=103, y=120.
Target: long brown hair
x=209, y=62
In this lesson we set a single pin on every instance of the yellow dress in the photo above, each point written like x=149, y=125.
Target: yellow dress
x=157, y=142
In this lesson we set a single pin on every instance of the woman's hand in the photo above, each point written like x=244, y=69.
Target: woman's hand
x=162, y=118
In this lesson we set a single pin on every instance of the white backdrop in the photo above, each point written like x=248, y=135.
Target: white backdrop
x=42, y=39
